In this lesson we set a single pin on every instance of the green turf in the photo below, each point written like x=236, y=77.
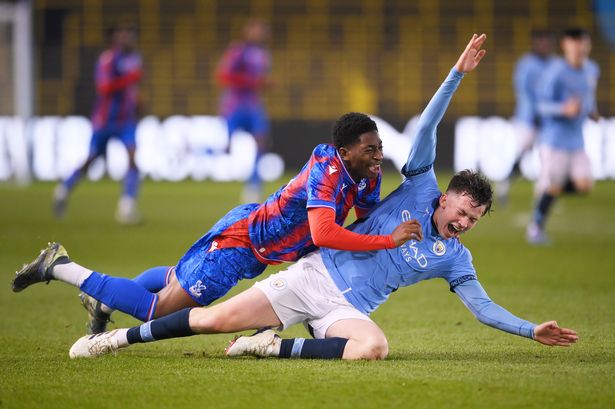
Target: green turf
x=440, y=356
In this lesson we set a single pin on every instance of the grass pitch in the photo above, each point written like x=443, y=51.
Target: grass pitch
x=440, y=356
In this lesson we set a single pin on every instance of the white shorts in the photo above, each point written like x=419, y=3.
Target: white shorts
x=305, y=293
x=557, y=165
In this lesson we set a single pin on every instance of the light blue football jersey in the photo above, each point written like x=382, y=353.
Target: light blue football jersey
x=367, y=278
x=526, y=80
x=559, y=83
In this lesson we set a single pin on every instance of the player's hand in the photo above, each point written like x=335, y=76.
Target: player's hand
x=549, y=333
x=409, y=230
x=471, y=56
x=571, y=108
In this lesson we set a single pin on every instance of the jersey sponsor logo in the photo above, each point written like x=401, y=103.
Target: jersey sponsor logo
x=405, y=216
x=362, y=185
x=278, y=284
x=197, y=288
x=438, y=248
x=213, y=247
x=332, y=169
x=409, y=250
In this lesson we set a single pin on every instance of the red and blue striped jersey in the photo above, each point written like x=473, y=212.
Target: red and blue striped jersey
x=117, y=76
x=279, y=228
x=242, y=72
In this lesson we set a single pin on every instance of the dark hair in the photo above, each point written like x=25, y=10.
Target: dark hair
x=121, y=26
x=540, y=33
x=475, y=185
x=347, y=129
x=576, y=33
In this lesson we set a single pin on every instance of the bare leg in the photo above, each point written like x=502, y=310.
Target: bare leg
x=173, y=298
x=365, y=339
x=248, y=310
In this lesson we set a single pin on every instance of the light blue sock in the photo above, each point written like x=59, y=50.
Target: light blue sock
x=121, y=294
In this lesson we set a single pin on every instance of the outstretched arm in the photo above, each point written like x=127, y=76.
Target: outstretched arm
x=423, y=152
x=486, y=311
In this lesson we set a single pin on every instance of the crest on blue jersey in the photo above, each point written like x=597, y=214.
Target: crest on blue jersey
x=363, y=184
x=439, y=248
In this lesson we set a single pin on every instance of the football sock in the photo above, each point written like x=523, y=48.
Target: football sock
x=174, y=325
x=542, y=208
x=131, y=183
x=569, y=187
x=72, y=180
x=329, y=348
x=121, y=294
x=71, y=273
x=154, y=279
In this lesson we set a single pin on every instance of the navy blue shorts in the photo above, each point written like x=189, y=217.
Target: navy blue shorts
x=125, y=133
x=219, y=259
x=250, y=118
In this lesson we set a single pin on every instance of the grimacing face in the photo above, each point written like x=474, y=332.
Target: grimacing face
x=363, y=158
x=456, y=214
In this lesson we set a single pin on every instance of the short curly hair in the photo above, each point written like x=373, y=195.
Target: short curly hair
x=475, y=185
x=347, y=129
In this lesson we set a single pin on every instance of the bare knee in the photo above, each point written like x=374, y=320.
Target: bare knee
x=583, y=187
x=370, y=348
x=212, y=320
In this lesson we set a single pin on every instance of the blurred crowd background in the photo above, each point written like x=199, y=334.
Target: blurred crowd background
x=383, y=57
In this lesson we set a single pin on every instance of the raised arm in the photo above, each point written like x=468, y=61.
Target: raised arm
x=423, y=152
x=486, y=311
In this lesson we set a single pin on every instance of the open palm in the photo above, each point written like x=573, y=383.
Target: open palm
x=471, y=56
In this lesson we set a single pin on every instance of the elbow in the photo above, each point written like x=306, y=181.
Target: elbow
x=320, y=241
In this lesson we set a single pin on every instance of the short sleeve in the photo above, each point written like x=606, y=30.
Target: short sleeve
x=462, y=270
x=324, y=182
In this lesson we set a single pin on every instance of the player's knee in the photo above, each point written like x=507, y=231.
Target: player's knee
x=583, y=188
x=205, y=321
x=374, y=347
x=214, y=320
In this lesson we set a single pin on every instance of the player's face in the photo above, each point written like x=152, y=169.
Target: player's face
x=364, y=157
x=125, y=38
x=576, y=50
x=542, y=46
x=456, y=214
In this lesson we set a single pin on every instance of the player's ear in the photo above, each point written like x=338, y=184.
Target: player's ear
x=443, y=200
x=344, y=153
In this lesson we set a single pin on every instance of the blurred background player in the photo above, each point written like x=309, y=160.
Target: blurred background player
x=526, y=78
x=566, y=98
x=118, y=72
x=243, y=74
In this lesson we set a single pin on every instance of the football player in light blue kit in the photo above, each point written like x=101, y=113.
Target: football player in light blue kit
x=526, y=79
x=332, y=292
x=567, y=97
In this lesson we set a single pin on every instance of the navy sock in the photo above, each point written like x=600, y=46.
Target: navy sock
x=569, y=187
x=154, y=279
x=174, y=325
x=329, y=348
x=542, y=208
x=121, y=294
